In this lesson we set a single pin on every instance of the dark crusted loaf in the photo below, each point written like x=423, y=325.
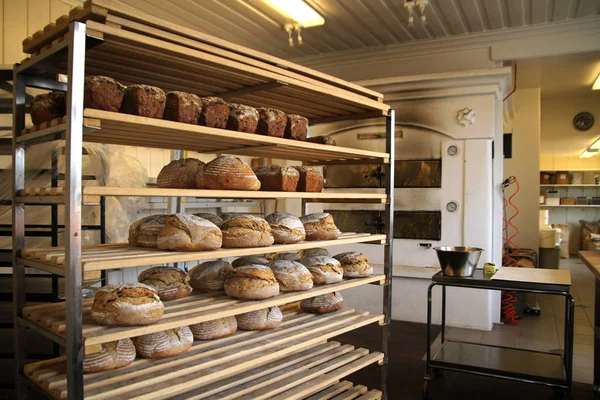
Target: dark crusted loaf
x=103, y=93
x=296, y=127
x=271, y=122
x=182, y=107
x=242, y=118
x=48, y=106
x=144, y=100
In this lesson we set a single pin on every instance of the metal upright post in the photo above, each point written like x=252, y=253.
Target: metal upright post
x=74, y=149
x=18, y=233
x=389, y=248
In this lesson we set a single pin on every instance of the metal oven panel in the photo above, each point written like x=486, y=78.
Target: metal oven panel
x=423, y=225
x=357, y=221
x=352, y=176
x=418, y=174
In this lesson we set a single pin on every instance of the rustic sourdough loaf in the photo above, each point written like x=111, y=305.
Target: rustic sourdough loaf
x=144, y=100
x=215, y=219
x=127, y=304
x=214, y=329
x=246, y=231
x=310, y=180
x=144, y=232
x=323, y=304
x=215, y=112
x=252, y=282
x=296, y=127
x=164, y=344
x=242, y=118
x=179, y=174
x=210, y=276
x=187, y=232
x=317, y=251
x=48, y=106
x=260, y=320
x=284, y=256
x=182, y=107
x=277, y=178
x=117, y=354
x=291, y=275
x=271, y=122
x=227, y=173
x=170, y=282
x=355, y=264
x=249, y=260
x=286, y=228
x=324, y=270
x=320, y=226
x=102, y=93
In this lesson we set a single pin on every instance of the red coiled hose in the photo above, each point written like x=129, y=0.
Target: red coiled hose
x=509, y=249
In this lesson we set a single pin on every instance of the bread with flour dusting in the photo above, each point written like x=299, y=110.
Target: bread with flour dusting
x=314, y=252
x=325, y=270
x=179, y=174
x=210, y=276
x=260, y=320
x=249, y=260
x=252, y=282
x=271, y=122
x=164, y=344
x=286, y=228
x=228, y=173
x=113, y=355
x=320, y=226
x=127, y=304
x=242, y=118
x=246, y=231
x=277, y=178
x=215, y=219
x=214, y=329
x=285, y=256
x=323, y=304
x=291, y=275
x=355, y=264
x=187, y=232
x=170, y=282
x=144, y=232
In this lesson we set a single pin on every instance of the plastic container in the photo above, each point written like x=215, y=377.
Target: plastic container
x=549, y=238
x=552, y=201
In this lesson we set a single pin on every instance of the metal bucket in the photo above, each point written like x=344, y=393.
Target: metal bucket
x=458, y=260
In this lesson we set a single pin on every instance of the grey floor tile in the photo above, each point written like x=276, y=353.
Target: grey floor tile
x=582, y=361
x=584, y=330
x=544, y=334
x=583, y=375
x=541, y=345
x=506, y=329
x=583, y=349
x=583, y=339
x=468, y=335
x=500, y=339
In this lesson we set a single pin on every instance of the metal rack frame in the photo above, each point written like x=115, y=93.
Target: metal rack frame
x=76, y=44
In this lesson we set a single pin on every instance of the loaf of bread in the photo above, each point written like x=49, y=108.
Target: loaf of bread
x=113, y=355
x=187, y=232
x=165, y=343
x=144, y=100
x=355, y=264
x=214, y=329
x=296, y=127
x=228, y=215
x=215, y=112
x=246, y=231
x=277, y=178
x=249, y=260
x=310, y=180
x=242, y=118
x=144, y=232
x=260, y=320
x=182, y=107
x=320, y=226
x=210, y=276
x=286, y=228
x=291, y=275
x=48, y=106
x=317, y=251
x=322, y=140
x=271, y=122
x=323, y=304
x=215, y=219
x=127, y=304
x=227, y=173
x=252, y=282
x=325, y=270
x=285, y=256
x=170, y=282
x=179, y=174
x=102, y=93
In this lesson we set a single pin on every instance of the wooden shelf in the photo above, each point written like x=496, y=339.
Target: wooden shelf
x=132, y=130
x=90, y=193
x=570, y=185
x=292, y=361
x=569, y=206
x=199, y=307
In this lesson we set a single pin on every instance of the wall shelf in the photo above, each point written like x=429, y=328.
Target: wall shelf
x=571, y=185
x=570, y=206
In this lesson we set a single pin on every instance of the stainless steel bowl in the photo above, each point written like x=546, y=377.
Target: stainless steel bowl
x=458, y=260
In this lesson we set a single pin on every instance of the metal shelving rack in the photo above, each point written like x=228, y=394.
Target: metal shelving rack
x=105, y=38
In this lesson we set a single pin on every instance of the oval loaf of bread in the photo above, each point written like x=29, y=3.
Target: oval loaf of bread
x=179, y=174
x=286, y=228
x=144, y=232
x=355, y=264
x=320, y=226
x=291, y=275
x=170, y=282
x=127, y=304
x=117, y=354
x=210, y=276
x=214, y=329
x=246, y=231
x=249, y=260
x=317, y=251
x=164, y=343
x=260, y=320
x=252, y=282
x=324, y=270
x=285, y=256
x=229, y=173
x=187, y=232
x=323, y=304
x=215, y=219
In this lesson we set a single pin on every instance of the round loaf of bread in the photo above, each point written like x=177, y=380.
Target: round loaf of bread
x=323, y=304
x=249, y=260
x=324, y=270
x=320, y=226
x=228, y=215
x=260, y=320
x=214, y=329
x=144, y=232
x=286, y=228
x=187, y=232
x=179, y=174
x=210, y=276
x=117, y=354
x=355, y=264
x=229, y=173
x=170, y=282
x=252, y=282
x=291, y=275
x=246, y=231
x=317, y=251
x=127, y=304
x=165, y=343
x=284, y=256
x=215, y=219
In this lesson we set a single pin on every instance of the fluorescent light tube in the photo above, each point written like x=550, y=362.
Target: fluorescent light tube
x=587, y=153
x=297, y=10
x=596, y=85
x=595, y=145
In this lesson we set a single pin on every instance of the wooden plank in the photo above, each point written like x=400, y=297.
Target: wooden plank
x=351, y=393
x=331, y=391
x=372, y=395
x=591, y=259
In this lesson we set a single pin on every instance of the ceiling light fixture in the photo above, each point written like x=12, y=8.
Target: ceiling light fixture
x=410, y=5
x=299, y=11
x=587, y=153
x=595, y=145
x=596, y=85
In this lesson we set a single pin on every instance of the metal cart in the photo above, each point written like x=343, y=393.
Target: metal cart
x=543, y=368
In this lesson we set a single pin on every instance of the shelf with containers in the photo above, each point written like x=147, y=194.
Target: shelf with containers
x=293, y=361
x=569, y=188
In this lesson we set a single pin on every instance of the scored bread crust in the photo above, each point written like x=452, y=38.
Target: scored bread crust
x=179, y=174
x=210, y=276
x=325, y=270
x=252, y=282
x=355, y=264
x=117, y=354
x=320, y=226
x=144, y=232
x=323, y=304
x=286, y=228
x=127, y=304
x=238, y=262
x=260, y=320
x=227, y=173
x=214, y=329
x=164, y=343
x=187, y=232
x=291, y=275
x=246, y=231
x=170, y=282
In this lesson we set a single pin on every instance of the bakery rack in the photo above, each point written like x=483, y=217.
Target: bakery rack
x=294, y=361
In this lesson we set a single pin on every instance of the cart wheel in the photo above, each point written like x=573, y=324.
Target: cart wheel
x=426, y=394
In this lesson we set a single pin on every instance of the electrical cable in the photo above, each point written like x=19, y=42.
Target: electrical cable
x=509, y=250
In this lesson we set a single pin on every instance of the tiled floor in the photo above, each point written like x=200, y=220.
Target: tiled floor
x=546, y=331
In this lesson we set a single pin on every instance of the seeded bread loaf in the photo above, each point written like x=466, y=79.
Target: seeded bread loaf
x=320, y=226
x=144, y=232
x=48, y=106
x=271, y=122
x=322, y=140
x=103, y=93
x=325, y=270
x=210, y=276
x=215, y=112
x=260, y=320
x=182, y=107
x=165, y=343
x=214, y=329
x=246, y=231
x=277, y=178
x=179, y=174
x=113, y=355
x=355, y=264
x=323, y=304
x=291, y=275
x=310, y=180
x=252, y=282
x=296, y=127
x=286, y=228
x=144, y=100
x=227, y=173
x=170, y=282
x=215, y=219
x=127, y=304
x=187, y=232
x=242, y=118
x=249, y=260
